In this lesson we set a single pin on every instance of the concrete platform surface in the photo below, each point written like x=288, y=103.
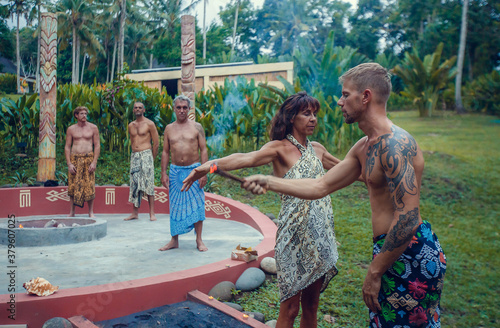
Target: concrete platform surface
x=129, y=251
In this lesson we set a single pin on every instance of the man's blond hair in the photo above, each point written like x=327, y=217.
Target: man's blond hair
x=370, y=76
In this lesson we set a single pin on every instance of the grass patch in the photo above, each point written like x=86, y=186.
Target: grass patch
x=460, y=197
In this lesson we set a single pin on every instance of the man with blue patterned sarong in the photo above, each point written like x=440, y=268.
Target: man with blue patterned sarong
x=185, y=141
x=403, y=284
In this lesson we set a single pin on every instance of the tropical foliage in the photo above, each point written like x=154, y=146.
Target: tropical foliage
x=425, y=79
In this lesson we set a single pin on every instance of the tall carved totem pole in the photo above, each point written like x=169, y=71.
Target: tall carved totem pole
x=48, y=93
x=188, y=60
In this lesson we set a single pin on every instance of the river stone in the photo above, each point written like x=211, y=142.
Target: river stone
x=222, y=291
x=272, y=323
x=57, y=322
x=268, y=264
x=256, y=315
x=271, y=216
x=235, y=306
x=250, y=279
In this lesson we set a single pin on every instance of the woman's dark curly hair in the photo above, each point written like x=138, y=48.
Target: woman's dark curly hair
x=282, y=125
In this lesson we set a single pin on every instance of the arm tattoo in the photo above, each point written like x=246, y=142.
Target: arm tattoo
x=395, y=152
x=402, y=232
x=200, y=130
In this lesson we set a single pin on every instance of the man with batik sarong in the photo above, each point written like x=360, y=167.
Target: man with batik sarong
x=185, y=144
x=82, y=150
x=145, y=143
x=404, y=281
x=306, y=250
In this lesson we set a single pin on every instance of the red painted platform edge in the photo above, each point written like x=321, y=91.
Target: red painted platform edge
x=199, y=297
x=81, y=322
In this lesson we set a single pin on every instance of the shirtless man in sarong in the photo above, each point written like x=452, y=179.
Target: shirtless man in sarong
x=306, y=250
x=405, y=278
x=185, y=140
x=82, y=150
x=142, y=133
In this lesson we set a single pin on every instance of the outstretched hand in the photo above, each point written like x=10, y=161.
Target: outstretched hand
x=256, y=184
x=195, y=175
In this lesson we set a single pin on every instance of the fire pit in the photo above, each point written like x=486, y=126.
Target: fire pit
x=53, y=231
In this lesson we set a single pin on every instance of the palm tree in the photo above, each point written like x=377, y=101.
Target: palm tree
x=425, y=79
x=18, y=7
x=77, y=16
x=164, y=15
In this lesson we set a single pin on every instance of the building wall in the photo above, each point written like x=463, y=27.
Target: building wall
x=207, y=76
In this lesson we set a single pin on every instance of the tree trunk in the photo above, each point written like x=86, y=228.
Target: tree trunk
x=460, y=62
x=235, y=27
x=73, y=72
x=121, y=51
x=113, y=62
x=18, y=56
x=83, y=68
x=204, y=32
x=77, y=66
x=151, y=58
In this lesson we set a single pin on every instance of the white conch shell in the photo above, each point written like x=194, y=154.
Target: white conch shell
x=40, y=286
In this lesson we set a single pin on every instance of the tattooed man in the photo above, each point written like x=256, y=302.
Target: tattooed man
x=405, y=278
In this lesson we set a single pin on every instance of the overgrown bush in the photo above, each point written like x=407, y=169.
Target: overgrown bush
x=483, y=94
x=8, y=83
x=398, y=102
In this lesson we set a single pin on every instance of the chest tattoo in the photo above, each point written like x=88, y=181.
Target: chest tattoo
x=395, y=153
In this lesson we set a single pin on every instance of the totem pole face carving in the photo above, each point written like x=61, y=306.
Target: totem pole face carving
x=188, y=60
x=48, y=90
x=188, y=50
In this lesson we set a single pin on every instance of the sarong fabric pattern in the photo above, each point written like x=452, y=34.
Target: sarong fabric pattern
x=411, y=288
x=81, y=186
x=142, y=176
x=186, y=207
x=306, y=248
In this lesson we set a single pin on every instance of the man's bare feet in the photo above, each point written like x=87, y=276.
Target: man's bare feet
x=91, y=215
x=201, y=246
x=152, y=217
x=71, y=215
x=131, y=217
x=171, y=245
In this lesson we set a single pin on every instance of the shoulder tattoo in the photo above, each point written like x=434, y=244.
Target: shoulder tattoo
x=395, y=151
x=402, y=232
x=200, y=130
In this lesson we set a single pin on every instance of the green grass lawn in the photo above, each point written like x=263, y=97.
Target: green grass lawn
x=460, y=197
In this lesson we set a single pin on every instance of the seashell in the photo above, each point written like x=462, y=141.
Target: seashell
x=61, y=225
x=50, y=224
x=40, y=286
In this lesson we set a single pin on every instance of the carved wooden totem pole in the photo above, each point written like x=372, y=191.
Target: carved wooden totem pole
x=188, y=60
x=48, y=93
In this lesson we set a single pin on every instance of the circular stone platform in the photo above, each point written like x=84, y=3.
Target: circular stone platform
x=71, y=231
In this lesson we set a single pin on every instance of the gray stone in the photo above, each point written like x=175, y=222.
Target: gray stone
x=271, y=216
x=268, y=264
x=250, y=279
x=276, y=221
x=57, y=322
x=222, y=291
x=272, y=323
x=124, y=185
x=235, y=306
x=256, y=315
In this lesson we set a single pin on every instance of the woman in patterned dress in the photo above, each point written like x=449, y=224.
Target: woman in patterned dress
x=306, y=250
